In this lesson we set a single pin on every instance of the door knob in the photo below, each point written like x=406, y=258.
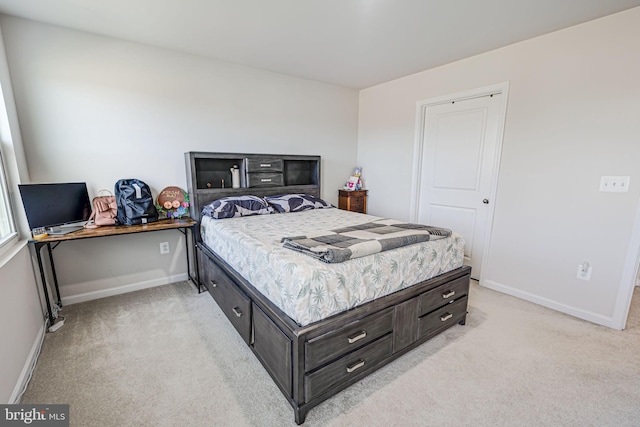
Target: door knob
x=485, y=201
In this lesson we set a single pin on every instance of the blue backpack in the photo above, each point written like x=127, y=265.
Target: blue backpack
x=135, y=202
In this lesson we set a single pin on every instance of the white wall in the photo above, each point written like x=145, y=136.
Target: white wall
x=572, y=116
x=98, y=109
x=23, y=323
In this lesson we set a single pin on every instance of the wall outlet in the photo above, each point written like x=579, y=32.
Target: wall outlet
x=584, y=271
x=615, y=184
x=164, y=248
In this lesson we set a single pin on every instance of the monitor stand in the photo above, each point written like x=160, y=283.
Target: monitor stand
x=64, y=229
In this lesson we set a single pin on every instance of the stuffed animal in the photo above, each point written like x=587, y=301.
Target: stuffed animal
x=355, y=182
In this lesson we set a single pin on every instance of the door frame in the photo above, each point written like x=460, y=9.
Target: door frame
x=628, y=278
x=421, y=107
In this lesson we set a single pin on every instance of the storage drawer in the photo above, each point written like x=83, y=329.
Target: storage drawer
x=349, y=368
x=441, y=319
x=205, y=267
x=334, y=344
x=264, y=165
x=275, y=179
x=273, y=348
x=202, y=267
x=233, y=303
x=356, y=205
x=436, y=298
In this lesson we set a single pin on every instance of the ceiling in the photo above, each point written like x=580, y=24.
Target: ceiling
x=352, y=43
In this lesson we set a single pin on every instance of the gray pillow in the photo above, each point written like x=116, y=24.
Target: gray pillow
x=296, y=202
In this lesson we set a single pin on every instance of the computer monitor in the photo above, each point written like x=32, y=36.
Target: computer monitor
x=59, y=208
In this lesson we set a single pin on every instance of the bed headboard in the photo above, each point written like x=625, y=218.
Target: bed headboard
x=209, y=176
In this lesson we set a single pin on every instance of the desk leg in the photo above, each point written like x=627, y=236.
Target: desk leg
x=55, y=277
x=44, y=282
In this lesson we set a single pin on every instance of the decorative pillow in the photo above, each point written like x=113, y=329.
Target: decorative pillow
x=296, y=202
x=230, y=207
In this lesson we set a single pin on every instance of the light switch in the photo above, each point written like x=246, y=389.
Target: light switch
x=615, y=184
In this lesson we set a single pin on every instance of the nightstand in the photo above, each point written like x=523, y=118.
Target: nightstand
x=354, y=201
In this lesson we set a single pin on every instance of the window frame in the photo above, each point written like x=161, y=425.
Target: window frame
x=4, y=194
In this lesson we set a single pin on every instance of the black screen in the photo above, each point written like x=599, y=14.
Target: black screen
x=47, y=205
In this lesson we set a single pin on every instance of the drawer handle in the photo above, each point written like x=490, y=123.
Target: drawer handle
x=446, y=317
x=448, y=295
x=358, y=365
x=358, y=337
x=265, y=165
x=237, y=312
x=214, y=284
x=265, y=180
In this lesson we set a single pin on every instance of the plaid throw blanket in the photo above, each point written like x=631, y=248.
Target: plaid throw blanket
x=357, y=241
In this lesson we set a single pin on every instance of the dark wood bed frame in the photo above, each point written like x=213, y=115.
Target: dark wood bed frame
x=314, y=362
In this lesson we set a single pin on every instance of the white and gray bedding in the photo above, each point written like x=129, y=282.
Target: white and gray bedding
x=345, y=243
x=308, y=290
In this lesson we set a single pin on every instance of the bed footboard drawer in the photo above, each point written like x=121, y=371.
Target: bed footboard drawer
x=334, y=344
x=233, y=303
x=443, y=318
x=445, y=294
x=349, y=368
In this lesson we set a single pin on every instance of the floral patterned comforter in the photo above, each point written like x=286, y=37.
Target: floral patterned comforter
x=308, y=290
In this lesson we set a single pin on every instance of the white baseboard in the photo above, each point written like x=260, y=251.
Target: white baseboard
x=29, y=366
x=102, y=293
x=563, y=308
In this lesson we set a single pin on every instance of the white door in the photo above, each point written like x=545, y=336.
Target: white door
x=459, y=158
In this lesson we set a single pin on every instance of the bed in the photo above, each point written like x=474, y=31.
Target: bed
x=317, y=327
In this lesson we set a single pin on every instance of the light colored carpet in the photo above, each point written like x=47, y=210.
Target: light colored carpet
x=167, y=356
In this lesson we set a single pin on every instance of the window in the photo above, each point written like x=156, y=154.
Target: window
x=7, y=223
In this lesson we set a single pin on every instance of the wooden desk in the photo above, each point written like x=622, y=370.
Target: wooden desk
x=166, y=224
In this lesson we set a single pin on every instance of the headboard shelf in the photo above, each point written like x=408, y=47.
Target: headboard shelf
x=209, y=176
